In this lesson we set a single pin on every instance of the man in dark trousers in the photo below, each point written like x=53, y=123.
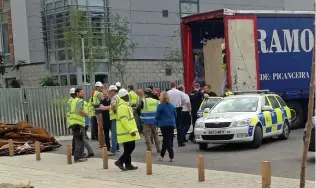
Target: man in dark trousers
x=106, y=119
x=196, y=98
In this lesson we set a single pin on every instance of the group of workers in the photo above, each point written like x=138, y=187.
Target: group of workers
x=127, y=114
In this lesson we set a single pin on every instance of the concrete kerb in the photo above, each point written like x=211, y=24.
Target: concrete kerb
x=55, y=164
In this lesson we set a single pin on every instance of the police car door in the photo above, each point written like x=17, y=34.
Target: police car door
x=267, y=116
x=277, y=118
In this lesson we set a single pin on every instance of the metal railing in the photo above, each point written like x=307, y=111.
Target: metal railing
x=46, y=106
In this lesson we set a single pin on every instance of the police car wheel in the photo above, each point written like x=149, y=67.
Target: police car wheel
x=203, y=146
x=286, y=131
x=257, y=138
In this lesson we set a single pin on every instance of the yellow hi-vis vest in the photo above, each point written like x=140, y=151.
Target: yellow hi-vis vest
x=91, y=108
x=68, y=110
x=75, y=117
x=224, y=66
x=148, y=112
x=112, y=114
x=228, y=93
x=126, y=124
x=95, y=100
x=133, y=98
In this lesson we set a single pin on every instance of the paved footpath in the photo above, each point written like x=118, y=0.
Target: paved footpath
x=53, y=171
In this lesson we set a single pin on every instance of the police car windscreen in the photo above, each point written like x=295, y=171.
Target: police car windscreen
x=246, y=104
x=209, y=103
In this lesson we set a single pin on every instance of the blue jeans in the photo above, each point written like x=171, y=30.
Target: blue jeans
x=113, y=136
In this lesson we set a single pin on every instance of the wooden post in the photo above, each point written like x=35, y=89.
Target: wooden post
x=69, y=158
x=105, y=158
x=38, y=150
x=11, y=148
x=201, y=169
x=149, y=164
x=266, y=174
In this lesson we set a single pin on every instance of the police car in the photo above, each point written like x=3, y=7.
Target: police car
x=244, y=117
x=206, y=105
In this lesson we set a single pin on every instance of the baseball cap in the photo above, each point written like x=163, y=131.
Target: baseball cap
x=123, y=92
x=72, y=90
x=98, y=84
x=118, y=84
x=112, y=87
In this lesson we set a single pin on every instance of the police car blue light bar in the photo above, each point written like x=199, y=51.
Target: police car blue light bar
x=252, y=91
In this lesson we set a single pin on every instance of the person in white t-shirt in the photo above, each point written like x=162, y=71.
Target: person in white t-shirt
x=177, y=99
x=186, y=113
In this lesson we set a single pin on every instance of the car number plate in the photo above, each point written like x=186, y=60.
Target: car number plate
x=217, y=132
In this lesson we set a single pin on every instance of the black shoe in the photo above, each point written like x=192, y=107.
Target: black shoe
x=181, y=145
x=119, y=165
x=186, y=140
x=90, y=155
x=131, y=167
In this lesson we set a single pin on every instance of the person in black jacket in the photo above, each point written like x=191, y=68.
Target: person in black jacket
x=208, y=91
x=106, y=119
x=196, y=98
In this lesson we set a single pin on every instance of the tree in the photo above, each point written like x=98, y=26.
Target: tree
x=173, y=55
x=119, y=46
x=78, y=27
x=49, y=81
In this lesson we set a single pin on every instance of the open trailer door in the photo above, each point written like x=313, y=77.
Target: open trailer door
x=242, y=52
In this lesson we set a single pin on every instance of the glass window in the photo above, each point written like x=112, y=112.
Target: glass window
x=82, y=2
x=58, y=4
x=61, y=55
x=73, y=79
x=6, y=4
x=274, y=102
x=238, y=104
x=69, y=54
x=281, y=101
x=63, y=80
x=53, y=69
x=188, y=9
x=62, y=67
x=71, y=69
x=60, y=43
x=52, y=57
x=96, y=3
x=209, y=103
x=6, y=59
x=266, y=102
x=49, y=6
x=5, y=38
x=101, y=78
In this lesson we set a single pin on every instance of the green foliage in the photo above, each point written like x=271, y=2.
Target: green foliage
x=119, y=45
x=79, y=27
x=49, y=81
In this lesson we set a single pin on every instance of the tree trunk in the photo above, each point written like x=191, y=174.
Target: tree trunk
x=309, y=123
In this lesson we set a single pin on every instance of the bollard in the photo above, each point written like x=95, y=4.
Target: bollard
x=38, y=150
x=105, y=158
x=149, y=164
x=266, y=174
x=69, y=158
x=201, y=170
x=11, y=148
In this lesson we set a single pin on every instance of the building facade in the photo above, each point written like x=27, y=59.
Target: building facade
x=31, y=30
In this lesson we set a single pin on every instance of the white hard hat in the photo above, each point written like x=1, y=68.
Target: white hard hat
x=223, y=46
x=118, y=84
x=123, y=92
x=112, y=87
x=98, y=84
x=72, y=90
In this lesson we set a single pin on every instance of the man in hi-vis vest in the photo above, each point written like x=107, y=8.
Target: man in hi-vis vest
x=77, y=125
x=224, y=67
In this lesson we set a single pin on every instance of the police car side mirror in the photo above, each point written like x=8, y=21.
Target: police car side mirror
x=266, y=108
x=207, y=110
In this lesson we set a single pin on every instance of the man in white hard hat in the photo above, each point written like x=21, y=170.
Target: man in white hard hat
x=72, y=96
x=127, y=132
x=118, y=85
x=96, y=101
x=115, y=100
x=224, y=67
